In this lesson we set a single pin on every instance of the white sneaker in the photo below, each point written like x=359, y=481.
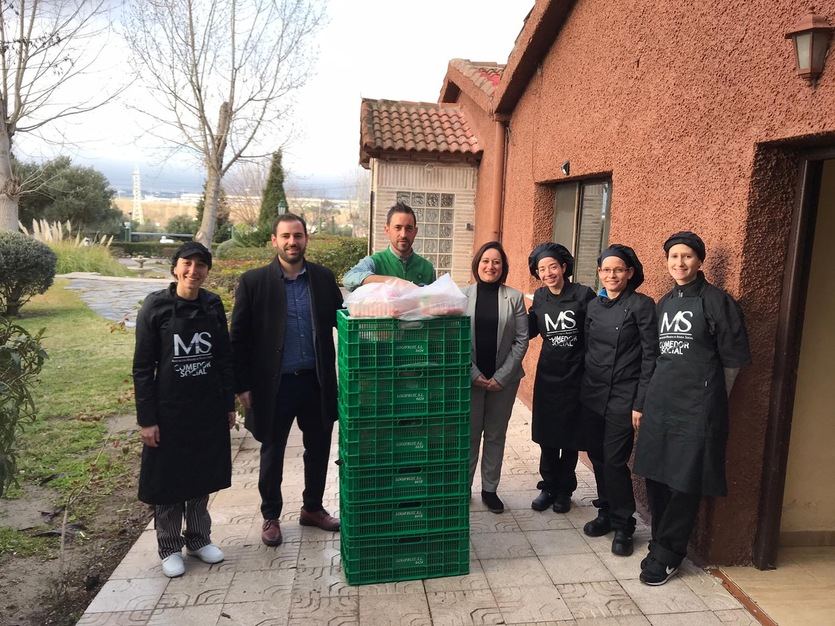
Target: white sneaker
x=209, y=553
x=172, y=565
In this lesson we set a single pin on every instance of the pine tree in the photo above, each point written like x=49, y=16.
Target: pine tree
x=274, y=200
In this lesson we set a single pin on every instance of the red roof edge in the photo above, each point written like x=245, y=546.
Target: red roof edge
x=456, y=82
x=538, y=34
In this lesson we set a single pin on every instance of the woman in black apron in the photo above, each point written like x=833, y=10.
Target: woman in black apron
x=621, y=344
x=557, y=315
x=681, y=442
x=182, y=375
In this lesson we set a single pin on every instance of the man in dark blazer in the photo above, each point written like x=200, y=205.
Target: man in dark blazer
x=282, y=345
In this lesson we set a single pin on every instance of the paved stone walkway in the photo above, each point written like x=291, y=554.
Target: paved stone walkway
x=115, y=298
x=525, y=567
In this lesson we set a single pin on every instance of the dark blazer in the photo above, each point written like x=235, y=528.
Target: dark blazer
x=259, y=321
x=621, y=346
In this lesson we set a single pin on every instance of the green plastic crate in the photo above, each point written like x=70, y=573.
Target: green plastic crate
x=368, y=560
x=404, y=392
x=380, y=518
x=404, y=482
x=405, y=440
x=371, y=343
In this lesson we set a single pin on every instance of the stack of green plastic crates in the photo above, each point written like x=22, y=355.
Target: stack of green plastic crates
x=404, y=424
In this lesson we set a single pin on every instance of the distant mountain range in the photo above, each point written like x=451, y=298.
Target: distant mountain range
x=169, y=180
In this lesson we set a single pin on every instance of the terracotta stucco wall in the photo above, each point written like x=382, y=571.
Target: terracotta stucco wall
x=483, y=126
x=685, y=106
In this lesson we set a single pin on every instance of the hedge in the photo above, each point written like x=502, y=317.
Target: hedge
x=144, y=248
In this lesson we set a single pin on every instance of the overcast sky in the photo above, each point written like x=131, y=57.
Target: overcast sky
x=394, y=49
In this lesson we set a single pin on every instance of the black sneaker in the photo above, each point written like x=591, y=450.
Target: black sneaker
x=543, y=500
x=656, y=573
x=599, y=526
x=622, y=543
x=494, y=504
x=562, y=504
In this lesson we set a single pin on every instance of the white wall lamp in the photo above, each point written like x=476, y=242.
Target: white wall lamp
x=810, y=37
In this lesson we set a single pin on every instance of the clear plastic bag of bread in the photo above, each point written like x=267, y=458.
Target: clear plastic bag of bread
x=397, y=298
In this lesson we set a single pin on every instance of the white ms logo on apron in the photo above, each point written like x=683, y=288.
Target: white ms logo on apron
x=563, y=332
x=195, y=357
x=675, y=334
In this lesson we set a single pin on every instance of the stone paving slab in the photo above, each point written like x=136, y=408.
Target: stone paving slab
x=115, y=298
x=526, y=567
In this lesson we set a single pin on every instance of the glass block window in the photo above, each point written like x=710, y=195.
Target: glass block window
x=434, y=212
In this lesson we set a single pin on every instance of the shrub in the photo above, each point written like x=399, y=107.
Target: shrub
x=92, y=258
x=145, y=248
x=237, y=253
x=27, y=267
x=21, y=359
x=247, y=236
x=339, y=254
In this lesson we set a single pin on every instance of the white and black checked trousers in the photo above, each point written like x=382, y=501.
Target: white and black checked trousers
x=168, y=522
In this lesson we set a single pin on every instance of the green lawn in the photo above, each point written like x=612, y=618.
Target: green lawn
x=88, y=372
x=86, y=378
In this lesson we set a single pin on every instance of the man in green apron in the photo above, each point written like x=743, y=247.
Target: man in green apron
x=398, y=262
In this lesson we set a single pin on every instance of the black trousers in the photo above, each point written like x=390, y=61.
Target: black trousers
x=168, y=523
x=298, y=398
x=557, y=468
x=673, y=517
x=609, y=459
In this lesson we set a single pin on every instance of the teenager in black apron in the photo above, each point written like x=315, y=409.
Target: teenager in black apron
x=558, y=315
x=185, y=408
x=684, y=429
x=621, y=344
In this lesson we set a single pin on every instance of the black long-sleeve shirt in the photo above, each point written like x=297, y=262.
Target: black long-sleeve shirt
x=621, y=347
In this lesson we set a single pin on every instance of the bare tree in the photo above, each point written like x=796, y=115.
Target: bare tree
x=44, y=45
x=244, y=185
x=223, y=72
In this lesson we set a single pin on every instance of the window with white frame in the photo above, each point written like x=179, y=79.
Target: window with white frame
x=581, y=224
x=434, y=213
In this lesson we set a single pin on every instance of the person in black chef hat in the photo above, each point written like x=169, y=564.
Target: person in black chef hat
x=621, y=345
x=185, y=406
x=557, y=315
x=683, y=432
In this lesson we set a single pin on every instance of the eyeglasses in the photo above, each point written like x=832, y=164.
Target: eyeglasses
x=617, y=271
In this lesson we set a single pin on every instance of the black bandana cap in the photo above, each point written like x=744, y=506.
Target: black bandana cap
x=555, y=251
x=192, y=248
x=628, y=256
x=688, y=238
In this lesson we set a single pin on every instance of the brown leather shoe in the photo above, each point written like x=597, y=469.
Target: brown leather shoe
x=321, y=519
x=271, y=533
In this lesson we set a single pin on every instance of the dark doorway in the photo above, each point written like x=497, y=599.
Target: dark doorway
x=791, y=471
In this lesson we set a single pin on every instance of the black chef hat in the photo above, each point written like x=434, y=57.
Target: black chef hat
x=628, y=256
x=688, y=238
x=192, y=248
x=555, y=251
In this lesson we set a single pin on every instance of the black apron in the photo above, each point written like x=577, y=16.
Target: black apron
x=556, y=389
x=193, y=458
x=684, y=428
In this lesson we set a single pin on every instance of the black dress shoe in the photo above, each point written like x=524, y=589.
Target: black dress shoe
x=562, y=504
x=494, y=504
x=622, y=543
x=599, y=526
x=543, y=500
